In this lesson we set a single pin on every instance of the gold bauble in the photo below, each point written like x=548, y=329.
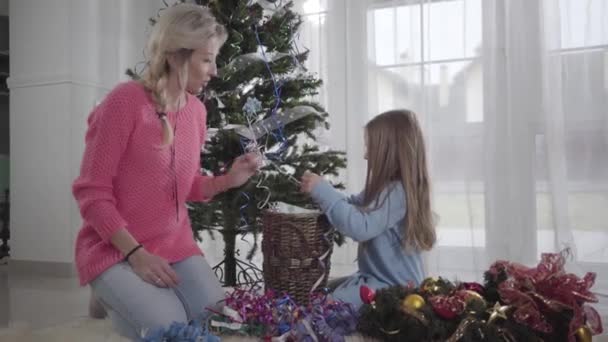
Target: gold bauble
x=472, y=296
x=413, y=302
x=430, y=286
x=583, y=334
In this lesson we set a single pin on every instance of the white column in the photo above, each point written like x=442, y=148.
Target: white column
x=65, y=55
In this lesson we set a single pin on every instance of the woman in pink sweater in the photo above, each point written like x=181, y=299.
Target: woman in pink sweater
x=141, y=164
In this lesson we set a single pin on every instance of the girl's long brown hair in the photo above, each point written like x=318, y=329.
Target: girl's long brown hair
x=396, y=153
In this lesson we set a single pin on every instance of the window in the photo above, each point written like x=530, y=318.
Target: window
x=578, y=53
x=426, y=56
x=431, y=48
x=583, y=23
x=312, y=36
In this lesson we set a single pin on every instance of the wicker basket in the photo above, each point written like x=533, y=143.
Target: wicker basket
x=297, y=252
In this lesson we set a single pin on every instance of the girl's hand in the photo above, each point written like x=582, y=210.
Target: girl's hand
x=309, y=181
x=243, y=168
x=153, y=269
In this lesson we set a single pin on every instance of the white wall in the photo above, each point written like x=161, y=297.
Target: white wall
x=65, y=55
x=3, y=7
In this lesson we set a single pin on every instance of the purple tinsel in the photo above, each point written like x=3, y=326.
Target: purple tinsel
x=269, y=315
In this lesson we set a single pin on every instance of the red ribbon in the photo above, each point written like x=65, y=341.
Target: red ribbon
x=547, y=287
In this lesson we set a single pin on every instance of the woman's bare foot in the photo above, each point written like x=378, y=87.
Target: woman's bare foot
x=96, y=310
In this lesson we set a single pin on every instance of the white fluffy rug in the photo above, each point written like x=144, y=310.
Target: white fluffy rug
x=89, y=330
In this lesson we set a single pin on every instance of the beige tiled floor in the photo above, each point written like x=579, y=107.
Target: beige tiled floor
x=40, y=301
x=54, y=309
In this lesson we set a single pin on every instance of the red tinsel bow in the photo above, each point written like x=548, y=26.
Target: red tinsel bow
x=534, y=291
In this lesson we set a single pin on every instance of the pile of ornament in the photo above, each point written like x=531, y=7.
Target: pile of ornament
x=280, y=318
x=268, y=316
x=516, y=303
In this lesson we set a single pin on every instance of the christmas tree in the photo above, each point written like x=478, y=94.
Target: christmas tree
x=262, y=100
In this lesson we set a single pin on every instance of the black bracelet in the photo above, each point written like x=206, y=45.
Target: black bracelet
x=131, y=252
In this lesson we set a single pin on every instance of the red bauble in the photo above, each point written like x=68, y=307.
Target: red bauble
x=473, y=287
x=447, y=307
x=367, y=295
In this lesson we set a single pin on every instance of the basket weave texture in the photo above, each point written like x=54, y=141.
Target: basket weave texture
x=297, y=253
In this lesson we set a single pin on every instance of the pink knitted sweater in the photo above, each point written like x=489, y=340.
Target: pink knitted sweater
x=127, y=179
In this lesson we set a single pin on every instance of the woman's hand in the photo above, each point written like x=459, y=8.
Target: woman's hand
x=153, y=269
x=243, y=168
x=309, y=181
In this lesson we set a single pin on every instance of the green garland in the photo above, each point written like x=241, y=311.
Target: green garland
x=515, y=303
x=386, y=320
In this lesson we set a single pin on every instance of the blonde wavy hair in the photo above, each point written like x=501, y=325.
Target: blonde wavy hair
x=179, y=31
x=397, y=153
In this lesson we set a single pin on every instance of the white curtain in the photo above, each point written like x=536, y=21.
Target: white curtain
x=513, y=97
